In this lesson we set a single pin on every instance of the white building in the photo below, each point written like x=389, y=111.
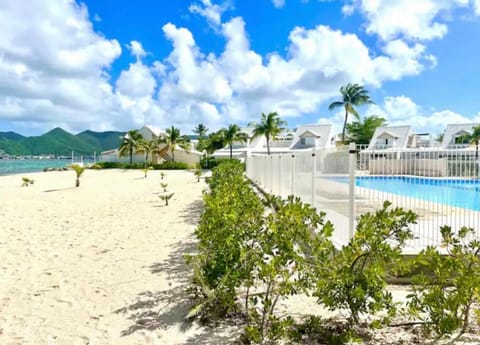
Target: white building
x=151, y=133
x=303, y=137
x=455, y=133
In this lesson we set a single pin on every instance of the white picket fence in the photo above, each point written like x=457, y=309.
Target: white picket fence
x=441, y=186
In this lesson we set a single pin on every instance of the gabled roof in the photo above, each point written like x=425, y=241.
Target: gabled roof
x=455, y=130
x=322, y=132
x=154, y=130
x=400, y=133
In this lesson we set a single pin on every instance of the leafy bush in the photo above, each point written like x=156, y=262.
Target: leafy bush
x=356, y=278
x=444, y=299
x=211, y=162
x=171, y=166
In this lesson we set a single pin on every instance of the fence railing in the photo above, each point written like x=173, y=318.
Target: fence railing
x=441, y=186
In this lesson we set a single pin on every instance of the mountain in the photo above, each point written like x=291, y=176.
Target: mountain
x=59, y=142
x=104, y=140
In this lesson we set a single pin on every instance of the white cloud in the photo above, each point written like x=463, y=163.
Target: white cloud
x=415, y=20
x=54, y=72
x=212, y=12
x=278, y=3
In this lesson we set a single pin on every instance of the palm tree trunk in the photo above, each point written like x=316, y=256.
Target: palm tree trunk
x=77, y=182
x=231, y=149
x=131, y=154
x=344, y=126
x=268, y=144
x=173, y=153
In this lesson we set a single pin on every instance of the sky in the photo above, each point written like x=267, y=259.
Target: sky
x=117, y=65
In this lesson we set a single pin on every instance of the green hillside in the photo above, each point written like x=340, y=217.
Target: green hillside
x=59, y=142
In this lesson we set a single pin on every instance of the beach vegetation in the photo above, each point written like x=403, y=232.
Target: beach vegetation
x=198, y=173
x=352, y=95
x=146, y=170
x=162, y=175
x=356, y=278
x=79, y=169
x=27, y=181
x=149, y=148
x=164, y=186
x=162, y=166
x=448, y=296
x=130, y=144
x=270, y=126
x=166, y=197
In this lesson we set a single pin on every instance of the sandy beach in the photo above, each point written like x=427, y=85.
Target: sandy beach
x=98, y=264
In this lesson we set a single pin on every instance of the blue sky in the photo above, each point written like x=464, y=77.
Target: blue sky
x=119, y=64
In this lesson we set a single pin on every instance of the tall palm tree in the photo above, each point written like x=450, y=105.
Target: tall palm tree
x=130, y=143
x=352, y=95
x=148, y=147
x=231, y=134
x=270, y=126
x=172, y=139
x=201, y=131
x=79, y=169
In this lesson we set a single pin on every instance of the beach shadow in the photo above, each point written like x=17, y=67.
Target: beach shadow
x=58, y=189
x=165, y=308
x=192, y=212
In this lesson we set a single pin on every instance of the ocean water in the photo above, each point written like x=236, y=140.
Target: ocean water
x=17, y=166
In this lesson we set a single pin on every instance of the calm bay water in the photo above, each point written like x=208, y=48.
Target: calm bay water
x=16, y=166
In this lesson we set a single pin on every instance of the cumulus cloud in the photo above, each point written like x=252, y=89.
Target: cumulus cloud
x=54, y=71
x=415, y=20
x=212, y=12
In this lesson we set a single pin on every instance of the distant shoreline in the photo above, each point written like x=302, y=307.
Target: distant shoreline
x=25, y=166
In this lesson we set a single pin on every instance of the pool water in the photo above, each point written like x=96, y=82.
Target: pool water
x=464, y=193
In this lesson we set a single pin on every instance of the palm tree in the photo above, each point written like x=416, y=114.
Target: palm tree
x=269, y=126
x=174, y=138
x=361, y=132
x=130, y=143
x=352, y=95
x=215, y=141
x=79, y=169
x=148, y=147
x=474, y=138
x=232, y=134
x=201, y=131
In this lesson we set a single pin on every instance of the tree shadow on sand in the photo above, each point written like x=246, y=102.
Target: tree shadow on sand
x=165, y=308
x=191, y=214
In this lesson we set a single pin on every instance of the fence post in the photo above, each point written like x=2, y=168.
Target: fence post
x=314, y=175
x=352, y=162
x=293, y=175
x=280, y=175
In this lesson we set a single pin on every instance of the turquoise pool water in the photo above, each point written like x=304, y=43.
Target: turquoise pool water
x=464, y=193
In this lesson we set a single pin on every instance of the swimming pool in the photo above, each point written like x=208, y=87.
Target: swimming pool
x=453, y=192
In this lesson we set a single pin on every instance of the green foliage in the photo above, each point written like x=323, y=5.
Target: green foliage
x=215, y=141
x=229, y=222
x=446, y=297
x=201, y=130
x=58, y=142
x=198, y=173
x=352, y=95
x=164, y=186
x=290, y=247
x=270, y=126
x=361, y=132
x=162, y=175
x=79, y=169
x=172, y=139
x=27, y=181
x=166, y=197
x=232, y=134
x=161, y=166
x=355, y=280
x=146, y=170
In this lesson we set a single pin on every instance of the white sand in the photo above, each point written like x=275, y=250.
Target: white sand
x=98, y=264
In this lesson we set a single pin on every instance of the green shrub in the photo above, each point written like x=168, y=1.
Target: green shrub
x=355, y=280
x=211, y=162
x=171, y=166
x=444, y=298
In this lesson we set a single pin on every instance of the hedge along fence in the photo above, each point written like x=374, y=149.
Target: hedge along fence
x=161, y=166
x=250, y=257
